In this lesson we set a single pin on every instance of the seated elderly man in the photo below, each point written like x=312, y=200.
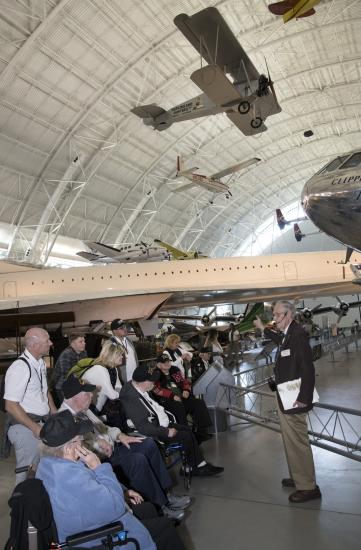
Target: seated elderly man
x=174, y=393
x=151, y=419
x=85, y=494
x=139, y=458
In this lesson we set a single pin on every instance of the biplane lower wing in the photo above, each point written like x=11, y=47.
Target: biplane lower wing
x=210, y=35
x=243, y=123
x=215, y=84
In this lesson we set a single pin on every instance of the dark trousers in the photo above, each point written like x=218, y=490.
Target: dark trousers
x=163, y=533
x=144, y=467
x=196, y=408
x=161, y=529
x=187, y=439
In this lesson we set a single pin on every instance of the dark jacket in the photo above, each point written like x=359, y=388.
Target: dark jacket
x=30, y=502
x=298, y=364
x=140, y=413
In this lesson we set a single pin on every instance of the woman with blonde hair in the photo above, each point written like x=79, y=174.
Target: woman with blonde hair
x=176, y=353
x=104, y=373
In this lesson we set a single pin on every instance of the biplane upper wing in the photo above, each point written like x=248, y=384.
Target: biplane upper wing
x=235, y=168
x=210, y=35
x=215, y=84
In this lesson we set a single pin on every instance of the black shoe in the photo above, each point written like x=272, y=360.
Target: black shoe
x=207, y=470
x=304, y=496
x=288, y=482
x=202, y=436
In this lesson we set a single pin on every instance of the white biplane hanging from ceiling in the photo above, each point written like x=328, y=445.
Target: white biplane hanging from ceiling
x=230, y=82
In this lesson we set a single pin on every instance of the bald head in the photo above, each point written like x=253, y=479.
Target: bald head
x=37, y=341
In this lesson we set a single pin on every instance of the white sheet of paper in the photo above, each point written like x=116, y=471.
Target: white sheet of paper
x=288, y=392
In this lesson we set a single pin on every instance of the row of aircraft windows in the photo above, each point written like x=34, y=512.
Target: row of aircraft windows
x=180, y=272
x=342, y=163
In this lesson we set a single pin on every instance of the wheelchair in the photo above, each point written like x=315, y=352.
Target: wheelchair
x=169, y=452
x=42, y=534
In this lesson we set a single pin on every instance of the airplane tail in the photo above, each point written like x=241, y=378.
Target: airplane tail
x=281, y=220
x=152, y=115
x=298, y=233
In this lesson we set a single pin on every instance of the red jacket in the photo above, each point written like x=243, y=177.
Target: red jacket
x=163, y=386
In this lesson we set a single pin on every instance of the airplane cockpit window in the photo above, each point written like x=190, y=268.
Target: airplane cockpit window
x=334, y=164
x=353, y=161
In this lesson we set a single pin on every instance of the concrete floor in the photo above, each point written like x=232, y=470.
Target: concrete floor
x=246, y=508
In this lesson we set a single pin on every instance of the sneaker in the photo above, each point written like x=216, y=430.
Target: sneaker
x=178, y=502
x=168, y=512
x=207, y=470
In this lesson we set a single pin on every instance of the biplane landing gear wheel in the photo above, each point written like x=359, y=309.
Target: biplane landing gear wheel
x=256, y=122
x=244, y=107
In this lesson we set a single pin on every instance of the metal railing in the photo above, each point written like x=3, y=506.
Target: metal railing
x=336, y=429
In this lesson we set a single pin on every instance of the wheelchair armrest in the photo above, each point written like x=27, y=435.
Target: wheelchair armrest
x=86, y=536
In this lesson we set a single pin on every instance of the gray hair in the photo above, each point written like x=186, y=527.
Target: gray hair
x=45, y=450
x=59, y=451
x=288, y=307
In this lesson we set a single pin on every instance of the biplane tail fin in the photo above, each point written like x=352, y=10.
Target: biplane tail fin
x=281, y=220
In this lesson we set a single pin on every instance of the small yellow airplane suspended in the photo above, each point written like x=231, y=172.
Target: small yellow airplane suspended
x=178, y=254
x=293, y=9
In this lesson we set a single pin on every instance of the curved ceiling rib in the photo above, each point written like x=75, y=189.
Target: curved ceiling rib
x=121, y=161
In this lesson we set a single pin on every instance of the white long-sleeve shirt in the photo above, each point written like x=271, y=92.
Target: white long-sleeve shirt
x=99, y=376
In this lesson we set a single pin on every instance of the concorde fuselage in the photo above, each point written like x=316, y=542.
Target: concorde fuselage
x=189, y=282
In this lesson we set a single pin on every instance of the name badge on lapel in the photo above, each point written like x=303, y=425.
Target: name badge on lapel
x=285, y=353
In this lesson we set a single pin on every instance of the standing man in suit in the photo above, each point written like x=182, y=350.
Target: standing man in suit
x=293, y=361
x=120, y=335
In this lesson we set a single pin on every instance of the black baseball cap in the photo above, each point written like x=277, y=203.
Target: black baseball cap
x=72, y=386
x=163, y=358
x=146, y=372
x=63, y=427
x=117, y=323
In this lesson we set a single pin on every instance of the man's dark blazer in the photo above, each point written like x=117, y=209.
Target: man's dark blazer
x=298, y=364
x=140, y=413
